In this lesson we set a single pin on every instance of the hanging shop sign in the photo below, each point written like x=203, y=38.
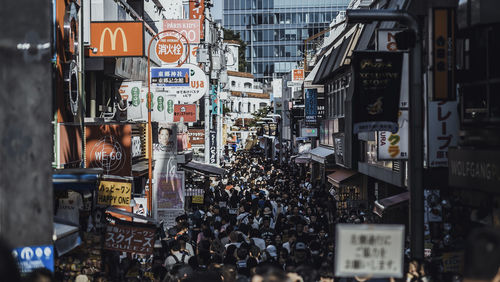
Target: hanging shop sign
x=188, y=83
x=130, y=91
x=443, y=55
x=185, y=113
x=109, y=147
x=30, y=258
x=470, y=168
x=443, y=127
x=311, y=106
x=169, y=190
x=213, y=147
x=394, y=146
x=114, y=193
x=369, y=250
x=196, y=136
x=116, y=39
x=377, y=78
x=197, y=12
x=189, y=28
x=130, y=239
x=162, y=105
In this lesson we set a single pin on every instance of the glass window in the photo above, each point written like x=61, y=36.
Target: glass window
x=236, y=4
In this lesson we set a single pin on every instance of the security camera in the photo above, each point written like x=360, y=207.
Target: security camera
x=94, y=50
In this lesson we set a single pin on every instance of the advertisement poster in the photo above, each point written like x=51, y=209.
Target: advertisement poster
x=109, y=147
x=164, y=140
x=377, y=78
x=169, y=190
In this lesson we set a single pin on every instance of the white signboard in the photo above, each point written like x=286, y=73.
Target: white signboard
x=163, y=105
x=188, y=82
x=394, y=146
x=277, y=88
x=442, y=126
x=130, y=91
x=387, y=42
x=369, y=250
x=293, y=84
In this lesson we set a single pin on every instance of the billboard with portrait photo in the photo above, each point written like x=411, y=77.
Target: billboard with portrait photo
x=164, y=140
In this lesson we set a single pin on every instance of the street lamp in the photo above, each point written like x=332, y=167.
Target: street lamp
x=416, y=117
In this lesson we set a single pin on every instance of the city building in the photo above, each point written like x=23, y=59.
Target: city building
x=275, y=30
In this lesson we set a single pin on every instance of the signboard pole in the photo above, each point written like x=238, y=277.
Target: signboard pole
x=149, y=190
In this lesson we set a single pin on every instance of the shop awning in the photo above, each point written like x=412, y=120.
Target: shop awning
x=205, y=168
x=77, y=179
x=340, y=175
x=319, y=154
x=302, y=158
x=382, y=205
x=140, y=168
x=66, y=236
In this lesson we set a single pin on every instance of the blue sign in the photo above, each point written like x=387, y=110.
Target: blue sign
x=30, y=258
x=311, y=106
x=170, y=76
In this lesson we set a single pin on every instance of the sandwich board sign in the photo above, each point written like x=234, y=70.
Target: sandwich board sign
x=369, y=250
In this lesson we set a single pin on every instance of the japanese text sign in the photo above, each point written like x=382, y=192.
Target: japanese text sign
x=373, y=250
x=114, y=193
x=188, y=83
x=131, y=239
x=189, y=28
x=196, y=136
x=186, y=112
x=117, y=39
x=443, y=54
x=169, y=49
x=377, y=78
x=443, y=126
x=197, y=12
x=298, y=75
x=394, y=146
x=30, y=258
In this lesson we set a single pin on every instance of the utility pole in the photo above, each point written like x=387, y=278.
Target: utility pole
x=207, y=95
x=416, y=116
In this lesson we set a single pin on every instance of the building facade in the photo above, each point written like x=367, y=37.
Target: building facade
x=275, y=30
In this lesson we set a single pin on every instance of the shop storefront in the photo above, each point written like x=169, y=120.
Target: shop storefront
x=347, y=188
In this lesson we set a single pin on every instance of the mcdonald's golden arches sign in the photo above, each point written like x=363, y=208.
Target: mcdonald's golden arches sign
x=116, y=39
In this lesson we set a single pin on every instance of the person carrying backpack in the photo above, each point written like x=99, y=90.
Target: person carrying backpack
x=177, y=258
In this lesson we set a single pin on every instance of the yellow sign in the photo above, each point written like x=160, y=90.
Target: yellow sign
x=113, y=193
x=116, y=39
x=197, y=199
x=453, y=262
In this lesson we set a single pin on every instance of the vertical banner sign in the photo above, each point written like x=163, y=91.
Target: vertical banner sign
x=164, y=140
x=369, y=250
x=377, y=78
x=394, y=146
x=311, y=106
x=213, y=147
x=213, y=100
x=443, y=127
x=109, y=147
x=169, y=190
x=197, y=12
x=443, y=55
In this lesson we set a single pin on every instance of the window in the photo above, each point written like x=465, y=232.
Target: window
x=247, y=85
x=233, y=83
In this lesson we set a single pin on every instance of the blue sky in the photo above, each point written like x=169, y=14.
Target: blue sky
x=217, y=9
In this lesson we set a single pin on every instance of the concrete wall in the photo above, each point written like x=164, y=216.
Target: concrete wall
x=26, y=135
